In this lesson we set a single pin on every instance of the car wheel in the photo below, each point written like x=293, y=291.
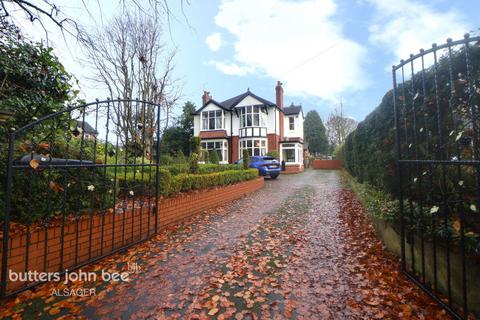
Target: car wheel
x=274, y=176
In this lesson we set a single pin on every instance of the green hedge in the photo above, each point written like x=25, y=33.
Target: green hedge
x=187, y=182
x=170, y=184
x=431, y=191
x=176, y=169
x=369, y=152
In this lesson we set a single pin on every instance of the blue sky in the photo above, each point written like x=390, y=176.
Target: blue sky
x=322, y=50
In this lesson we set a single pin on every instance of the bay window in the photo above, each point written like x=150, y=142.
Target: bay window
x=255, y=147
x=212, y=120
x=292, y=152
x=251, y=116
x=218, y=146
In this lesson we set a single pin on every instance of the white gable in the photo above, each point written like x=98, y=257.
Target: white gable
x=248, y=101
x=211, y=106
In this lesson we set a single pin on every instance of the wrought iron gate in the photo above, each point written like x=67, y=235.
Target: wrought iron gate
x=436, y=96
x=81, y=184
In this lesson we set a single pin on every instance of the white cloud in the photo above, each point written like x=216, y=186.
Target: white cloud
x=298, y=43
x=214, y=41
x=405, y=26
x=231, y=68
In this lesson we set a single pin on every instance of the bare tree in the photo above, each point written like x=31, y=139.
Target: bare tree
x=339, y=126
x=41, y=11
x=131, y=60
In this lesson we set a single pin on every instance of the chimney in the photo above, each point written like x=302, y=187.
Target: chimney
x=206, y=97
x=279, y=95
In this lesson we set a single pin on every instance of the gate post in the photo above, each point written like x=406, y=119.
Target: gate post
x=157, y=147
x=6, y=218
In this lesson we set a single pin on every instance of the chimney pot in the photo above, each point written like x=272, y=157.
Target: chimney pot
x=206, y=97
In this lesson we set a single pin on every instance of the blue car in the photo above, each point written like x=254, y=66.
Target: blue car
x=267, y=166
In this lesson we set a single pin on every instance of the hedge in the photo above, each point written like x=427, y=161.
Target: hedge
x=432, y=191
x=176, y=169
x=187, y=182
x=369, y=152
x=184, y=182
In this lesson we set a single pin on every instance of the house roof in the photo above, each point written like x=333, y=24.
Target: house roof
x=229, y=104
x=232, y=102
x=292, y=109
x=87, y=128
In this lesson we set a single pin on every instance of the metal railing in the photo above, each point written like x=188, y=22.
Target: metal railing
x=436, y=98
x=76, y=192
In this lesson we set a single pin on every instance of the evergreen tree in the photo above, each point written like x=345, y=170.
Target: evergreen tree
x=315, y=133
x=177, y=138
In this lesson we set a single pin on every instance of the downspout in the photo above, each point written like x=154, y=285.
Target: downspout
x=231, y=137
x=275, y=134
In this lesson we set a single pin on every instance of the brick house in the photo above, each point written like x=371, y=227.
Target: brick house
x=250, y=122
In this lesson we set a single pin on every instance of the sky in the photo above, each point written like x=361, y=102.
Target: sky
x=323, y=51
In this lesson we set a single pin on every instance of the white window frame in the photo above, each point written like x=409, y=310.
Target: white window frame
x=209, y=119
x=252, y=146
x=297, y=149
x=255, y=112
x=291, y=121
x=223, y=148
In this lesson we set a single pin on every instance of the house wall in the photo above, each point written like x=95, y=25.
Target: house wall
x=298, y=132
x=211, y=107
x=275, y=121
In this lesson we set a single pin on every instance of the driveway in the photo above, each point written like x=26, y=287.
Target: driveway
x=300, y=248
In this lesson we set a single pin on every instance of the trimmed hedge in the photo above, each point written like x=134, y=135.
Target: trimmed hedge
x=187, y=182
x=176, y=169
x=183, y=182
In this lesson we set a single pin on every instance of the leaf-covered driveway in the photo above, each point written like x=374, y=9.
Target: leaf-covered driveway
x=300, y=248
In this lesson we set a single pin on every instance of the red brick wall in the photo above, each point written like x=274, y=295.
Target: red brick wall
x=294, y=168
x=171, y=210
x=234, y=147
x=326, y=164
x=272, y=142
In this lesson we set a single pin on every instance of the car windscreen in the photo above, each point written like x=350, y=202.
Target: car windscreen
x=268, y=158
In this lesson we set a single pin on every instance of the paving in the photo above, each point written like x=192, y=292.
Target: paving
x=300, y=248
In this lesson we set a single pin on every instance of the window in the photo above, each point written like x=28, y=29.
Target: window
x=251, y=116
x=219, y=146
x=292, y=152
x=255, y=147
x=291, y=123
x=212, y=120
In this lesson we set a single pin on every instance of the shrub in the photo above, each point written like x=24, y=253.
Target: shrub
x=274, y=153
x=213, y=157
x=195, y=145
x=180, y=158
x=194, y=162
x=165, y=182
x=245, y=158
x=209, y=168
x=186, y=182
x=54, y=193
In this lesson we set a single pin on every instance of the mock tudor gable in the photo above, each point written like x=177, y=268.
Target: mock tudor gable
x=250, y=122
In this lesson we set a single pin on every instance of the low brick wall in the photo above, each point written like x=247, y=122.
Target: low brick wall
x=117, y=230
x=326, y=164
x=293, y=168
